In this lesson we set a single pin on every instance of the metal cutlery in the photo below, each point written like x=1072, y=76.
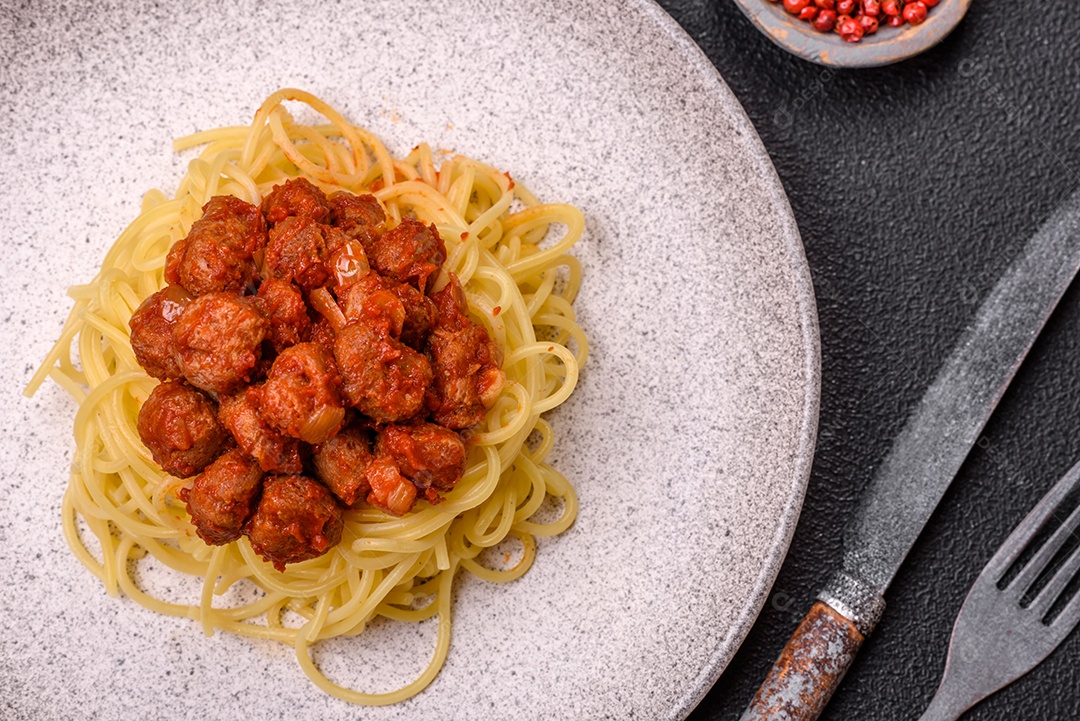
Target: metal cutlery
x=1023, y=605
x=923, y=460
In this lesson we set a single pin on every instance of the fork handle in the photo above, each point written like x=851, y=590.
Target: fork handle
x=809, y=669
x=946, y=706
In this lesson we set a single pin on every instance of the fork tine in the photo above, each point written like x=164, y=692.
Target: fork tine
x=1041, y=560
x=1046, y=598
x=1019, y=539
x=1070, y=615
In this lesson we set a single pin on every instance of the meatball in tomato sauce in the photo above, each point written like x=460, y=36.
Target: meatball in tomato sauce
x=179, y=426
x=410, y=253
x=341, y=463
x=299, y=251
x=151, y=332
x=296, y=519
x=300, y=397
x=218, y=254
x=283, y=305
x=274, y=451
x=223, y=496
x=299, y=197
x=361, y=217
x=302, y=337
x=218, y=340
x=419, y=310
x=382, y=377
x=465, y=360
x=430, y=456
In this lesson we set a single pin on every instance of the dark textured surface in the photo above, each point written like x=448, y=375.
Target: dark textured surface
x=914, y=186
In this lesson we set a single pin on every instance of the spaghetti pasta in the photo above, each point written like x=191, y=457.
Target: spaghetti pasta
x=520, y=285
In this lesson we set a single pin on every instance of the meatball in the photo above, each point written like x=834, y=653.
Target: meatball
x=179, y=426
x=222, y=497
x=218, y=253
x=296, y=519
x=410, y=253
x=218, y=339
x=465, y=361
x=300, y=397
x=341, y=464
x=299, y=249
x=420, y=310
x=382, y=376
x=390, y=490
x=430, y=456
x=298, y=197
x=283, y=305
x=273, y=450
x=361, y=217
x=151, y=332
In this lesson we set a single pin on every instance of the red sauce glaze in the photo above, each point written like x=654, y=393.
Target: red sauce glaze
x=323, y=334
x=291, y=337
x=297, y=252
x=419, y=310
x=390, y=490
x=383, y=377
x=429, y=455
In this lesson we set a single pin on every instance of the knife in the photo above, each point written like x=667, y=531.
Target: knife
x=918, y=469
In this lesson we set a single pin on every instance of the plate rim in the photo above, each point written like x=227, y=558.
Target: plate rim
x=799, y=268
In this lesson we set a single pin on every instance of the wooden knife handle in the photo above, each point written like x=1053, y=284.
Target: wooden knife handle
x=809, y=669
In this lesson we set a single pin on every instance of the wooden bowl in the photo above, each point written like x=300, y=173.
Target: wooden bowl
x=888, y=45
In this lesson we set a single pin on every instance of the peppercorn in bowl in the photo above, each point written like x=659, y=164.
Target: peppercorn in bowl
x=855, y=33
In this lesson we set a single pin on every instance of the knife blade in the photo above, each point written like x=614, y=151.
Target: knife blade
x=921, y=463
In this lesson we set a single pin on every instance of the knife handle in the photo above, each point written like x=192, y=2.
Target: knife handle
x=809, y=669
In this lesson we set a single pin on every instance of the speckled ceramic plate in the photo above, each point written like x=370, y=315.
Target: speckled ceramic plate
x=689, y=439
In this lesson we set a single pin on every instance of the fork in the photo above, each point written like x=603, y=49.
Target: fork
x=1004, y=629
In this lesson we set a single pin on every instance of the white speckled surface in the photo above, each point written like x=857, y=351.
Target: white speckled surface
x=689, y=439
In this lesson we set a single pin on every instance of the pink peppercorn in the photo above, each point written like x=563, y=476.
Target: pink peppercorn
x=915, y=12
x=851, y=30
x=825, y=21
x=795, y=6
x=891, y=7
